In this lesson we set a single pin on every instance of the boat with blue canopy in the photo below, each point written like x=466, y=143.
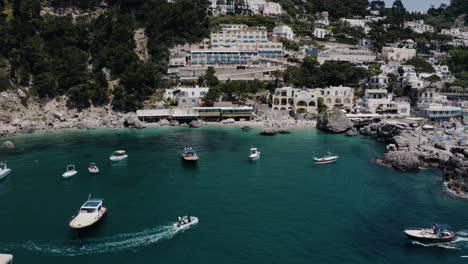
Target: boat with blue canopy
x=4, y=170
x=189, y=154
x=90, y=213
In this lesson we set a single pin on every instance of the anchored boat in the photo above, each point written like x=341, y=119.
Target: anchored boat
x=326, y=159
x=254, y=154
x=189, y=154
x=90, y=213
x=436, y=233
x=185, y=222
x=6, y=259
x=118, y=155
x=4, y=170
x=70, y=171
x=93, y=169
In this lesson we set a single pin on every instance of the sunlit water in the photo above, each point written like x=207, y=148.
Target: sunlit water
x=279, y=209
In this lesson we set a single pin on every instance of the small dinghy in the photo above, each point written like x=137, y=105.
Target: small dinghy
x=435, y=234
x=118, y=155
x=93, y=169
x=254, y=154
x=4, y=170
x=90, y=213
x=326, y=159
x=70, y=171
x=185, y=222
x=189, y=154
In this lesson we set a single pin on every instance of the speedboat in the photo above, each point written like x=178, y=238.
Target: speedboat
x=118, y=155
x=326, y=159
x=90, y=213
x=4, y=170
x=254, y=154
x=189, y=154
x=185, y=222
x=70, y=171
x=93, y=168
x=436, y=233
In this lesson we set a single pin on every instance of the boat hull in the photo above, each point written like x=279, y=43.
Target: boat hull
x=254, y=157
x=4, y=173
x=112, y=158
x=77, y=226
x=413, y=235
x=69, y=174
x=93, y=171
x=190, y=158
x=194, y=221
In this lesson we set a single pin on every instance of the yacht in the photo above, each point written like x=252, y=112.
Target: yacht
x=118, y=155
x=326, y=159
x=4, y=170
x=436, y=233
x=254, y=154
x=70, y=171
x=93, y=169
x=185, y=222
x=90, y=213
x=189, y=154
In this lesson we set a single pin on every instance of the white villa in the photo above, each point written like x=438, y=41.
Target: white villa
x=379, y=101
x=418, y=26
x=379, y=81
x=397, y=54
x=186, y=97
x=283, y=32
x=303, y=101
x=322, y=33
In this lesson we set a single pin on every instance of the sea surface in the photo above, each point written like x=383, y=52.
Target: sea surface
x=279, y=209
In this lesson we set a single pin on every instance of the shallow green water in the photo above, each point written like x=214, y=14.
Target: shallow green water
x=280, y=209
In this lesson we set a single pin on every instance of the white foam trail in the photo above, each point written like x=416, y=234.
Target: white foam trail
x=441, y=245
x=103, y=245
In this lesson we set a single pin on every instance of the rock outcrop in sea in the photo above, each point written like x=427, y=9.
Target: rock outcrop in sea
x=444, y=146
x=333, y=121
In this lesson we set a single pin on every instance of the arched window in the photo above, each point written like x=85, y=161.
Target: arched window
x=276, y=101
x=283, y=102
x=301, y=103
x=337, y=101
x=312, y=103
x=275, y=108
x=283, y=109
x=328, y=101
x=347, y=101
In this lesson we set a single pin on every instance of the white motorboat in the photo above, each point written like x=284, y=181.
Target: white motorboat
x=6, y=259
x=189, y=154
x=326, y=159
x=4, y=170
x=185, y=222
x=254, y=154
x=70, y=171
x=118, y=155
x=93, y=168
x=435, y=234
x=90, y=213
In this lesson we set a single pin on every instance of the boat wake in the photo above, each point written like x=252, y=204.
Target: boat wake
x=103, y=245
x=459, y=243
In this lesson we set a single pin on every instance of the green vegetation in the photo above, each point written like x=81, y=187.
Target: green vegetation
x=420, y=65
x=458, y=64
x=310, y=74
x=60, y=56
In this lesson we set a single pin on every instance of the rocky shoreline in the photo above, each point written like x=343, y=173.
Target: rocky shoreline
x=414, y=145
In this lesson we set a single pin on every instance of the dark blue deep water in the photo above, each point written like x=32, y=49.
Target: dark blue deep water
x=280, y=209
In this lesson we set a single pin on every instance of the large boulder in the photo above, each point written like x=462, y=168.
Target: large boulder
x=7, y=145
x=352, y=132
x=195, y=123
x=268, y=132
x=132, y=121
x=402, y=160
x=228, y=121
x=333, y=121
x=164, y=122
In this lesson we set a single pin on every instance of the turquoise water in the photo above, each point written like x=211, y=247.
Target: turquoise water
x=280, y=209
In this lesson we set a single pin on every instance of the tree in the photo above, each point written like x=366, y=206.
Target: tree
x=397, y=14
x=210, y=77
x=432, y=79
x=321, y=106
x=420, y=65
